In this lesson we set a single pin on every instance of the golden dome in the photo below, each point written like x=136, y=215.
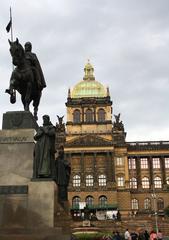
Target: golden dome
x=88, y=87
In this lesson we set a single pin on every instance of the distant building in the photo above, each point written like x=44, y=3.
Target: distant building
x=108, y=173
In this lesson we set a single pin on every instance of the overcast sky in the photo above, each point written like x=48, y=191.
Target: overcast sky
x=126, y=41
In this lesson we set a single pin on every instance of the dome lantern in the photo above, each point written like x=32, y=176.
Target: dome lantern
x=89, y=71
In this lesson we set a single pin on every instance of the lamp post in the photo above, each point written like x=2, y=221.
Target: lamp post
x=154, y=197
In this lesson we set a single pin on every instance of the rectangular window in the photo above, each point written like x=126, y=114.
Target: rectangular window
x=166, y=162
x=144, y=163
x=132, y=163
x=156, y=163
x=120, y=182
x=119, y=161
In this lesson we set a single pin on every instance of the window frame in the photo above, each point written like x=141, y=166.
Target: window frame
x=76, y=116
x=145, y=182
x=76, y=182
x=102, y=180
x=144, y=163
x=89, y=181
x=101, y=115
x=156, y=162
x=89, y=115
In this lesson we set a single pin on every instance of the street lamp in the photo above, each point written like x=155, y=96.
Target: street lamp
x=154, y=197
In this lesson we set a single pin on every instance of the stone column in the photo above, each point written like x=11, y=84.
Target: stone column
x=113, y=167
x=138, y=171
x=82, y=168
x=94, y=114
x=69, y=156
x=82, y=114
x=163, y=173
x=95, y=168
x=150, y=164
x=109, y=167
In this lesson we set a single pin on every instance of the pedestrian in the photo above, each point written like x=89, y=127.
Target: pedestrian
x=159, y=235
x=146, y=235
x=153, y=235
x=127, y=235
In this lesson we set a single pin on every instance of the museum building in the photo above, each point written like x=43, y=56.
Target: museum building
x=109, y=174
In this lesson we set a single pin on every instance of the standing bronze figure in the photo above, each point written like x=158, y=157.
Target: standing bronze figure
x=63, y=171
x=25, y=78
x=44, y=152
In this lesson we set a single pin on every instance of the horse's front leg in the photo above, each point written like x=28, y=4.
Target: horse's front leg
x=36, y=104
x=28, y=96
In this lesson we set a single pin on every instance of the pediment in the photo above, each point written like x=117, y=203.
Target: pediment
x=89, y=140
x=13, y=179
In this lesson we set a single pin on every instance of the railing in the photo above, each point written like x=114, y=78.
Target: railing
x=148, y=144
x=101, y=207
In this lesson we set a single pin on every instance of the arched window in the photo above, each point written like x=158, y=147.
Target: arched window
x=76, y=116
x=147, y=204
x=167, y=180
x=160, y=204
x=102, y=180
x=145, y=182
x=89, y=200
x=89, y=115
x=101, y=115
x=133, y=183
x=134, y=204
x=102, y=201
x=120, y=181
x=75, y=202
x=76, y=181
x=89, y=180
x=157, y=182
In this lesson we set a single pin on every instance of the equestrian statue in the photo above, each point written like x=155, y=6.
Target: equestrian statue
x=27, y=77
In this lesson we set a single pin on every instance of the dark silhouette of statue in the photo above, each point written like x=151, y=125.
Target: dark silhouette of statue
x=60, y=126
x=60, y=133
x=63, y=171
x=33, y=62
x=27, y=78
x=86, y=213
x=118, y=125
x=44, y=152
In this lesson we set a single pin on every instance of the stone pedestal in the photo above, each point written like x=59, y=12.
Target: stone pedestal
x=26, y=206
x=19, y=120
x=16, y=156
x=16, y=169
x=41, y=204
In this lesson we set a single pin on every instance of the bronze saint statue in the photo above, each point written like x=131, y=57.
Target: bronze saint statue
x=26, y=78
x=44, y=152
x=63, y=171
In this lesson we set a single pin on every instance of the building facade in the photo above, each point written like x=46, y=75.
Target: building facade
x=108, y=173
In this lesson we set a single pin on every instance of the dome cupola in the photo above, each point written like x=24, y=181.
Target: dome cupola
x=88, y=87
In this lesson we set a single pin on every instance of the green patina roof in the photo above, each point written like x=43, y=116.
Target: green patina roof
x=88, y=87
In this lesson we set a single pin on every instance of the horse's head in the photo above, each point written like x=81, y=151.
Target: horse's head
x=17, y=52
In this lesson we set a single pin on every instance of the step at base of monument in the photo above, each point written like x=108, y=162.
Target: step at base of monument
x=34, y=234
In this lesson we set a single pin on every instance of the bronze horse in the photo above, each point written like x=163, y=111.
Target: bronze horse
x=23, y=79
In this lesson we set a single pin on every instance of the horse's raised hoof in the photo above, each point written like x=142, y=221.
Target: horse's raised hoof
x=26, y=109
x=35, y=117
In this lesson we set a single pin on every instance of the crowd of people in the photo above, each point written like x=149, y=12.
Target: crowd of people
x=133, y=235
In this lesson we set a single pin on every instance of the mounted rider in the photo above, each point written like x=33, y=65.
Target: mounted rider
x=33, y=61
x=27, y=77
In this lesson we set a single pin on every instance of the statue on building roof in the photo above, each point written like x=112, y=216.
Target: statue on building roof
x=118, y=125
